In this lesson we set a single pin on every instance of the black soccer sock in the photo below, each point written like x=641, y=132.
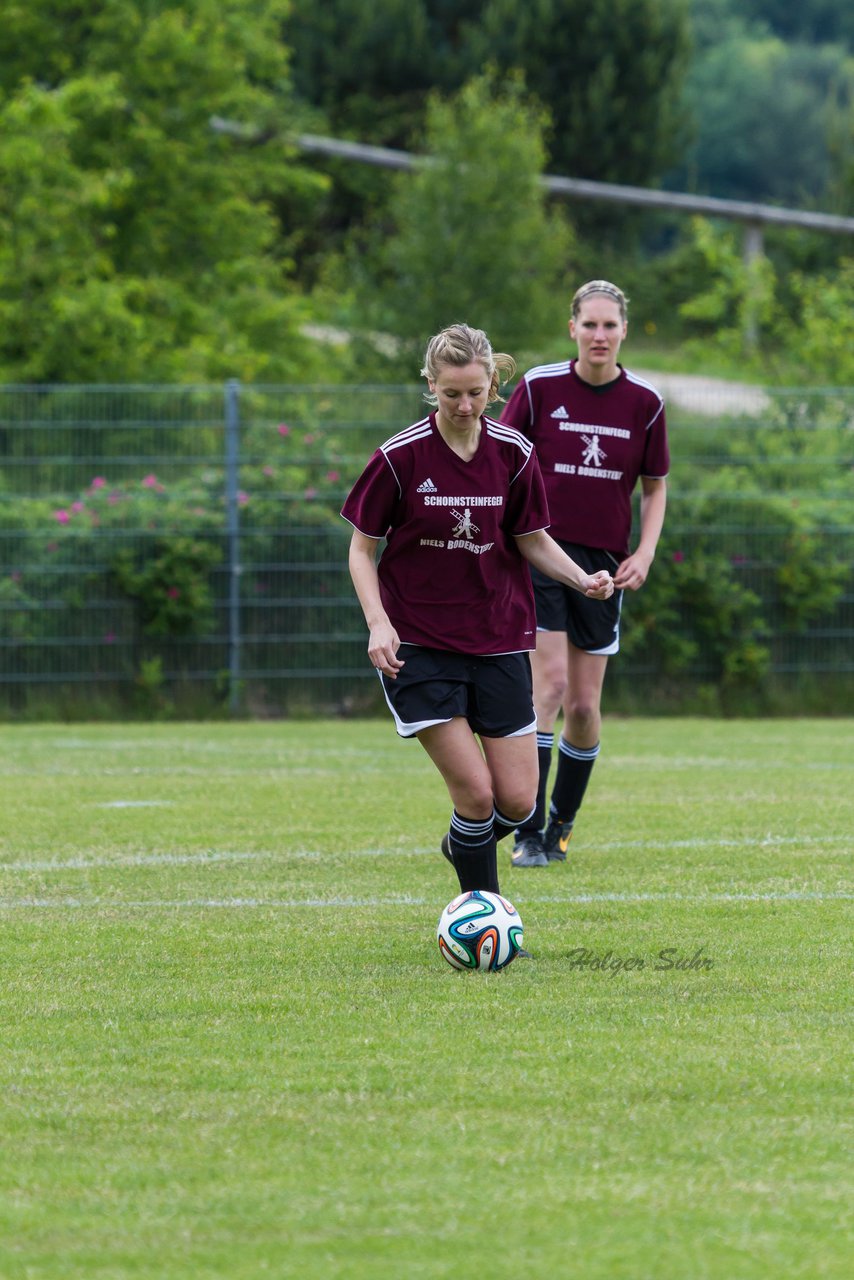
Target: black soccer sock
x=503, y=826
x=474, y=852
x=536, y=820
x=574, y=767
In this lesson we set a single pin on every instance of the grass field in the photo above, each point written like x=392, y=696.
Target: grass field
x=230, y=1047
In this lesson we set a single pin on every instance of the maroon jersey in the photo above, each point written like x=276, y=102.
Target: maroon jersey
x=592, y=443
x=451, y=575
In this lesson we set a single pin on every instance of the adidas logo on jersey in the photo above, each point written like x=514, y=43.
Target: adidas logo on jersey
x=427, y=486
x=559, y=413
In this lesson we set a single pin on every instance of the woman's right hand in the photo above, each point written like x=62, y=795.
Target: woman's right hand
x=383, y=645
x=599, y=586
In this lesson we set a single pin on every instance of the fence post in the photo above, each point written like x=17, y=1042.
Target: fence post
x=752, y=252
x=232, y=510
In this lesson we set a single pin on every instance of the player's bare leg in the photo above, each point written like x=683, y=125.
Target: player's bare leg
x=456, y=753
x=582, y=714
x=513, y=768
x=470, y=843
x=550, y=669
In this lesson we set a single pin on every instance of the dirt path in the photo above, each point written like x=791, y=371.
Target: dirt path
x=712, y=396
x=693, y=392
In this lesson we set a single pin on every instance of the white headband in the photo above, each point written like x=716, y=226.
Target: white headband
x=604, y=287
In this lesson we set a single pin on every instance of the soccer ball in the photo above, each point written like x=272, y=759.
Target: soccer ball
x=479, y=930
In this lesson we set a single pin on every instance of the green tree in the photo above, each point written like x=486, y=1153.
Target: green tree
x=817, y=21
x=368, y=70
x=368, y=67
x=609, y=76
x=473, y=239
x=137, y=243
x=737, y=306
x=823, y=342
x=609, y=79
x=753, y=142
x=804, y=339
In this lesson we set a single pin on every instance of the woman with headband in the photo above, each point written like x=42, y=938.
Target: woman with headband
x=598, y=429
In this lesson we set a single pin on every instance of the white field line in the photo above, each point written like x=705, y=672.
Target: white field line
x=397, y=900
x=83, y=862
x=288, y=769
x=132, y=804
x=594, y=849
x=229, y=904
x=768, y=841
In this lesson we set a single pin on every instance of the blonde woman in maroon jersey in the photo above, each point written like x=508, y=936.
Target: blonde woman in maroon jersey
x=459, y=500
x=598, y=430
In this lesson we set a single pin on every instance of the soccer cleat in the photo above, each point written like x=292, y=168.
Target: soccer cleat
x=555, y=840
x=529, y=852
x=446, y=848
x=522, y=954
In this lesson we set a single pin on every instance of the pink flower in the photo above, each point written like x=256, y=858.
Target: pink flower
x=97, y=483
x=77, y=507
x=309, y=494
x=242, y=498
x=284, y=429
x=173, y=593
x=269, y=471
x=61, y=516
x=332, y=476
x=678, y=557
x=114, y=498
x=150, y=481
x=110, y=637
x=309, y=439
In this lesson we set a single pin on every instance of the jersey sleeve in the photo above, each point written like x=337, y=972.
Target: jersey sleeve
x=517, y=411
x=370, y=504
x=527, y=505
x=656, y=455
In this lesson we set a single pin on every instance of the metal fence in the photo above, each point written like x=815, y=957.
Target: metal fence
x=170, y=549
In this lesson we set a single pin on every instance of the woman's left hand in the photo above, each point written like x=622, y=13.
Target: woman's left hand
x=631, y=574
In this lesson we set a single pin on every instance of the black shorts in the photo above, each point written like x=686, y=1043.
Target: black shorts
x=592, y=625
x=434, y=685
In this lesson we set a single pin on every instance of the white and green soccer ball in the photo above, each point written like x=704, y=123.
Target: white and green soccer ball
x=479, y=930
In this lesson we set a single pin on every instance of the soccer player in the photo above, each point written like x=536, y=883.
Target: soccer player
x=460, y=502
x=597, y=429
